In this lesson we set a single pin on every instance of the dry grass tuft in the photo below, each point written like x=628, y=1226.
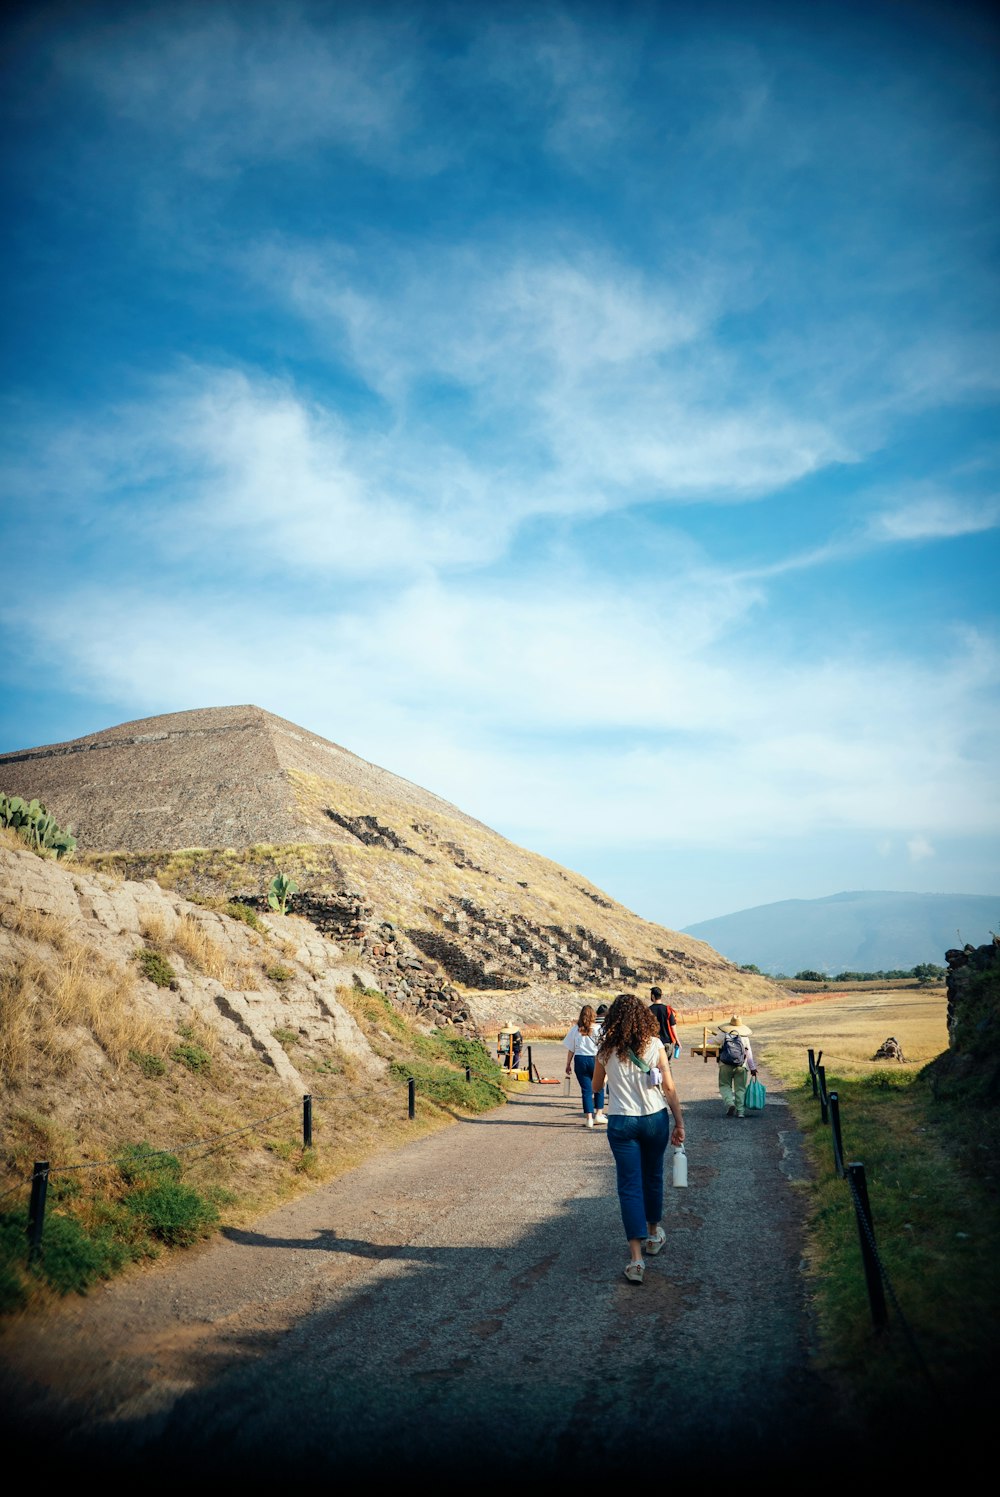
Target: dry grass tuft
x=18, y=998
x=157, y=931
x=50, y=1006
x=35, y=925
x=192, y=941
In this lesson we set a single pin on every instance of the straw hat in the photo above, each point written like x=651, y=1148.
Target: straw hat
x=735, y=1025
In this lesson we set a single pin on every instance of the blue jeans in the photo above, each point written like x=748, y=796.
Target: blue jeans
x=639, y=1145
x=583, y=1065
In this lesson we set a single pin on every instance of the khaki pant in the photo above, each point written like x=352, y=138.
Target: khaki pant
x=733, y=1081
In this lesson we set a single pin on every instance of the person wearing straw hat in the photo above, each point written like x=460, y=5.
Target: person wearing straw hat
x=736, y=1065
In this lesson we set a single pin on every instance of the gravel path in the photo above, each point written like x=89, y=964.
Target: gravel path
x=460, y=1298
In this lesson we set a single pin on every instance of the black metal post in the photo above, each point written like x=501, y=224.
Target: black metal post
x=812, y=1070
x=531, y=1069
x=468, y=1073
x=413, y=1097
x=821, y=1073
x=36, y=1207
x=866, y=1232
x=838, y=1141
x=307, y=1121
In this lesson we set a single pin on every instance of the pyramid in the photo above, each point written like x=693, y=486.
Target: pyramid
x=213, y=802
x=213, y=777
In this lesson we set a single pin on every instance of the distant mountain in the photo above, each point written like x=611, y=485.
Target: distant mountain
x=863, y=931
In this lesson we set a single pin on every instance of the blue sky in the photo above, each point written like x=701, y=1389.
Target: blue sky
x=586, y=411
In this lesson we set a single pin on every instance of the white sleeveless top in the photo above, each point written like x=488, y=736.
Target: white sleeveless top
x=631, y=1094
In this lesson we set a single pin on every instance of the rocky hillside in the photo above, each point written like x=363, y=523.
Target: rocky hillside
x=152, y=964
x=133, y=1018
x=446, y=913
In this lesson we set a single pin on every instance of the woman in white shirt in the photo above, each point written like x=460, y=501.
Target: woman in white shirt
x=629, y=1056
x=581, y=1045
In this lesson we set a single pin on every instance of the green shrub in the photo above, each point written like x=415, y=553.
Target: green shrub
x=465, y=1051
x=195, y=1057
x=372, y=1005
x=141, y=1164
x=278, y=973
x=243, y=912
x=150, y=1065
x=69, y=1259
x=132, y=1243
x=156, y=967
x=450, y=1088
x=285, y=1037
x=173, y=1213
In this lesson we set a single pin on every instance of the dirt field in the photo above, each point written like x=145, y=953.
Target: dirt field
x=849, y=1028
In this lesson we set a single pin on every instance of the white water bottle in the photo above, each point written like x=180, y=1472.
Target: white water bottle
x=680, y=1165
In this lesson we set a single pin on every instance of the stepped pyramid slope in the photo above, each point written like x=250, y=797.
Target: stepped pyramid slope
x=213, y=802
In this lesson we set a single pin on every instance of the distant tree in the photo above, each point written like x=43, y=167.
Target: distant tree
x=926, y=972
x=810, y=976
x=749, y=967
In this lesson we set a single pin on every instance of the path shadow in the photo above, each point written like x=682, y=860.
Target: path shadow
x=327, y=1240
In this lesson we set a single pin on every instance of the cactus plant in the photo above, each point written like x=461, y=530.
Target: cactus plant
x=36, y=825
x=280, y=891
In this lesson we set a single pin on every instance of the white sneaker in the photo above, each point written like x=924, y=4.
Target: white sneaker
x=634, y=1272
x=599, y=1117
x=588, y=1121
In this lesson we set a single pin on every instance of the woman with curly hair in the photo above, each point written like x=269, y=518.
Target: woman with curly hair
x=631, y=1058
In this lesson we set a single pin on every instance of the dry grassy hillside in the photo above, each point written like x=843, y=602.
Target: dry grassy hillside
x=130, y=1016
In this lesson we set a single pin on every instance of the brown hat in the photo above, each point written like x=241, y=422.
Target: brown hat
x=735, y=1025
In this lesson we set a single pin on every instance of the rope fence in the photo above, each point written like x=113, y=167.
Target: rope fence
x=42, y=1172
x=877, y=1280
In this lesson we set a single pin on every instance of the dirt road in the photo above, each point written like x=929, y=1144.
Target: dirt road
x=457, y=1300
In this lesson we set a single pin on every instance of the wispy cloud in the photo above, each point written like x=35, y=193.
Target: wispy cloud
x=229, y=88
x=936, y=517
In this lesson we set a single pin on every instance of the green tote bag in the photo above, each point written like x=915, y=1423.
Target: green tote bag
x=756, y=1095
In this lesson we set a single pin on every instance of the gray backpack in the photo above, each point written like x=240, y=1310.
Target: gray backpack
x=733, y=1052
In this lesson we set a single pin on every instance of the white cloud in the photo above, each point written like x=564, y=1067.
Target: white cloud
x=935, y=517
x=594, y=378
x=579, y=713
